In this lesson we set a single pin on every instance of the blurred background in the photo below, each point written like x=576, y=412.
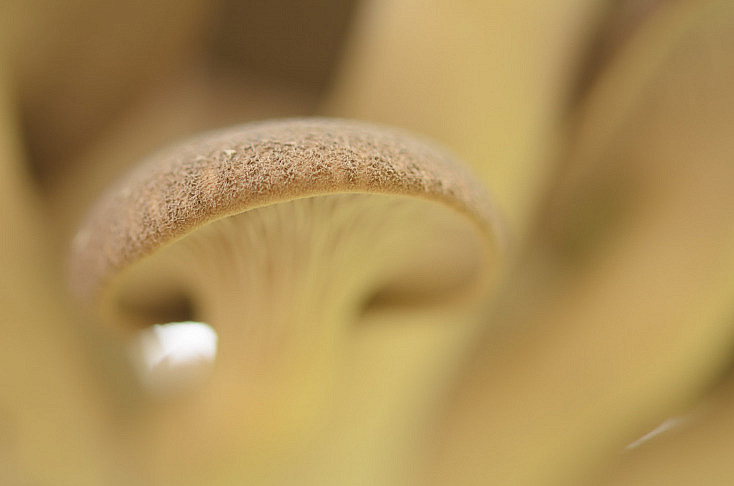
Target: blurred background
x=601, y=128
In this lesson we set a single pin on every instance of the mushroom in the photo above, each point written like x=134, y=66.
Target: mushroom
x=286, y=237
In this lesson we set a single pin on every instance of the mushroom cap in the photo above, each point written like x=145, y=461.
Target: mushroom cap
x=227, y=172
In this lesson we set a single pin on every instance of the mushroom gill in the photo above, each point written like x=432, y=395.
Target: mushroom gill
x=287, y=238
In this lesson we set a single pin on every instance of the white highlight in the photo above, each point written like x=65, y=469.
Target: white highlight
x=175, y=356
x=664, y=427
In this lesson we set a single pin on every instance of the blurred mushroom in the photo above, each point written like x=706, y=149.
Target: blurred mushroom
x=629, y=319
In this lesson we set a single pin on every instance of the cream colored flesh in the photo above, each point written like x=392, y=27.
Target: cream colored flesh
x=292, y=290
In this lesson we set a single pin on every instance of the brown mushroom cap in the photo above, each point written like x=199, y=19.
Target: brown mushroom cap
x=224, y=173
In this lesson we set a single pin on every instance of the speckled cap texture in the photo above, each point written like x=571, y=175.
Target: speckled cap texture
x=226, y=172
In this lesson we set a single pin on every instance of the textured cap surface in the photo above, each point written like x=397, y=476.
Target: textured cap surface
x=222, y=173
